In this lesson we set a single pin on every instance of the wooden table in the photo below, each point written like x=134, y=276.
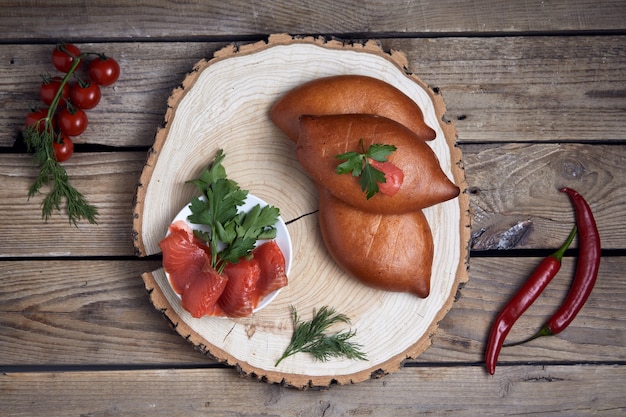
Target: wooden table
x=537, y=92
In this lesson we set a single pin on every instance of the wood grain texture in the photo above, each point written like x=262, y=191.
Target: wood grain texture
x=527, y=181
x=552, y=89
x=528, y=173
x=529, y=390
x=536, y=91
x=106, y=179
x=509, y=89
x=161, y=19
x=102, y=316
x=232, y=93
x=130, y=110
x=494, y=280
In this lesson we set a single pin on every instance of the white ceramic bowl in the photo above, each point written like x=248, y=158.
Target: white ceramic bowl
x=282, y=239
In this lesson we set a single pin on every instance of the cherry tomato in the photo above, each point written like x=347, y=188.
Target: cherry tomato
x=104, y=70
x=36, y=119
x=63, y=148
x=49, y=88
x=72, y=122
x=85, y=95
x=393, y=177
x=63, y=56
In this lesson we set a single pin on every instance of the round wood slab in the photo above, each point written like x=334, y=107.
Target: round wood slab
x=224, y=103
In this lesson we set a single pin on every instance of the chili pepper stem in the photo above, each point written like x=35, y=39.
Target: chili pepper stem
x=561, y=251
x=544, y=331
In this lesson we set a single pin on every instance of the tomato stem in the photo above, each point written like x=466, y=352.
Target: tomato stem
x=55, y=102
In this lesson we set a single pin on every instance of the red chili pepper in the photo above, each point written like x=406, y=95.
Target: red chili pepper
x=586, y=268
x=526, y=295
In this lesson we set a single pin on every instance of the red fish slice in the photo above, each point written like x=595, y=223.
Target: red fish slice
x=201, y=295
x=240, y=296
x=272, y=263
x=183, y=257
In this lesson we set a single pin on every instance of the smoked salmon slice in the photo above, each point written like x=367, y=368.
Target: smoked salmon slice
x=204, y=292
x=240, y=296
x=201, y=295
x=272, y=263
x=183, y=256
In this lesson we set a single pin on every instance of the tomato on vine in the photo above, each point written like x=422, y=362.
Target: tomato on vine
x=85, y=95
x=36, y=119
x=49, y=88
x=48, y=131
x=104, y=70
x=72, y=121
x=63, y=148
x=63, y=56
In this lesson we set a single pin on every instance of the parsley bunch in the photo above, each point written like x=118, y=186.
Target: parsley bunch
x=359, y=165
x=232, y=234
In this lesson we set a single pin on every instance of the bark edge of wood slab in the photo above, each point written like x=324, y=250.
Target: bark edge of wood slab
x=224, y=102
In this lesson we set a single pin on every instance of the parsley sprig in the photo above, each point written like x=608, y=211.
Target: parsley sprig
x=310, y=337
x=359, y=165
x=51, y=172
x=232, y=234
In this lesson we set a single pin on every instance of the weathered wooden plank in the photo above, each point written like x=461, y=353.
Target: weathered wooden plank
x=513, y=184
x=61, y=312
x=84, y=312
x=446, y=391
x=130, y=110
x=162, y=19
x=508, y=184
x=106, y=179
x=493, y=281
x=526, y=88
x=496, y=89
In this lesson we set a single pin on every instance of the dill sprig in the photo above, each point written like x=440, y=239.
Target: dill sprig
x=310, y=337
x=52, y=173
